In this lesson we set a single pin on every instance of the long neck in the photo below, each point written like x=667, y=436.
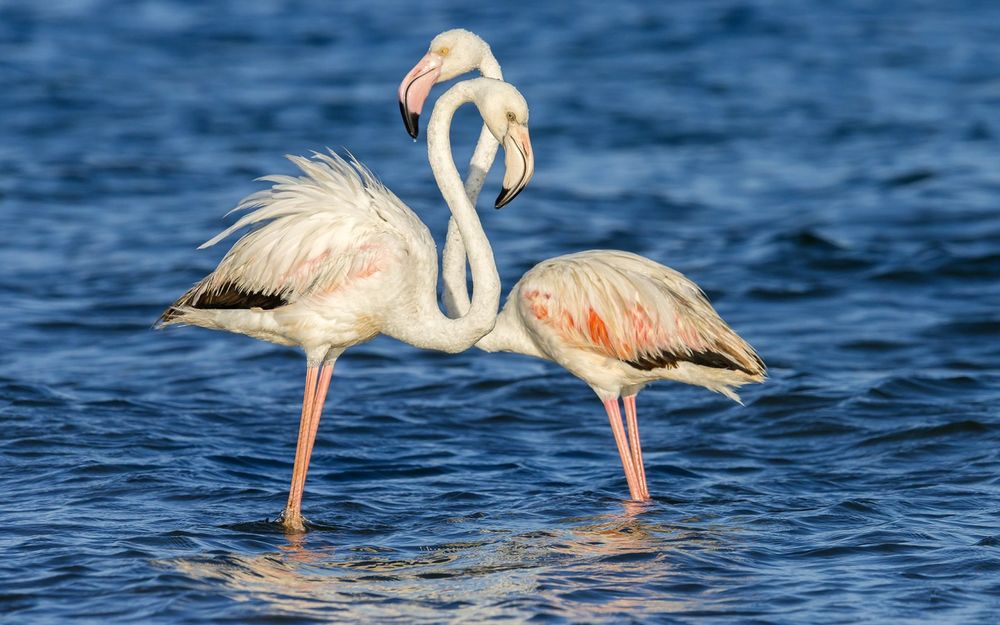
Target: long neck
x=456, y=289
x=434, y=330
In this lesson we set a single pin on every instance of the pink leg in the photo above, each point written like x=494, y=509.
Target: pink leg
x=324, y=385
x=615, y=416
x=635, y=444
x=292, y=516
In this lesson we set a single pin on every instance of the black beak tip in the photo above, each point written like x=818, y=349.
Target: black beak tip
x=506, y=195
x=411, y=120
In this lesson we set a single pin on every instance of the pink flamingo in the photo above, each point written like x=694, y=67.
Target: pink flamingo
x=616, y=320
x=337, y=258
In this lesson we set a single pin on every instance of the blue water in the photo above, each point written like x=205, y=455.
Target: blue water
x=828, y=172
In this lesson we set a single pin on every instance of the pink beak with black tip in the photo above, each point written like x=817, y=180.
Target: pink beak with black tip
x=519, y=163
x=415, y=88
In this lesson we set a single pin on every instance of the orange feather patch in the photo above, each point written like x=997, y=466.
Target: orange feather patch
x=598, y=330
x=538, y=309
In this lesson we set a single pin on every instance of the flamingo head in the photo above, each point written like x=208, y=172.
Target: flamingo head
x=505, y=113
x=452, y=53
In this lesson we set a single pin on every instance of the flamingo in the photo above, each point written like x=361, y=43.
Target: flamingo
x=337, y=258
x=614, y=319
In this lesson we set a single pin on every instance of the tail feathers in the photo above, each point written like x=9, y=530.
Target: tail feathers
x=722, y=381
x=730, y=393
x=729, y=389
x=174, y=312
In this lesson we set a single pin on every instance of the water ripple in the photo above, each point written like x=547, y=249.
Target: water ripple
x=827, y=172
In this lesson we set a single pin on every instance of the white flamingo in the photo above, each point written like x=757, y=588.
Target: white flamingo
x=616, y=320
x=338, y=258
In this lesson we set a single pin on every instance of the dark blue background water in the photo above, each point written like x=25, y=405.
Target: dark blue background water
x=829, y=172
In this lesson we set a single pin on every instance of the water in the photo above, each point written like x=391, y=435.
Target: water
x=827, y=171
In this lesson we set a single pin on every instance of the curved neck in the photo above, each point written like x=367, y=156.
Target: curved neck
x=436, y=331
x=456, y=289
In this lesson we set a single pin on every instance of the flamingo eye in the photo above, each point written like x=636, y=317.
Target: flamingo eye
x=511, y=117
x=443, y=51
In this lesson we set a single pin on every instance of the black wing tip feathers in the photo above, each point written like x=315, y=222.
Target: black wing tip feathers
x=704, y=358
x=227, y=297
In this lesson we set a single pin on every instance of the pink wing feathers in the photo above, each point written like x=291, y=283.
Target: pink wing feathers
x=316, y=234
x=629, y=308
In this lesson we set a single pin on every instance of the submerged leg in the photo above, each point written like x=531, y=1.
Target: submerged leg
x=635, y=445
x=308, y=424
x=615, y=416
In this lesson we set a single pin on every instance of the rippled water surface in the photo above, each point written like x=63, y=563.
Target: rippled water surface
x=829, y=172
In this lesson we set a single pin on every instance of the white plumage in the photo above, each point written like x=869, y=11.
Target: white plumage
x=618, y=321
x=329, y=248
x=336, y=207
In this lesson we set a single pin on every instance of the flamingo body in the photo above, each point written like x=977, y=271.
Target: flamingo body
x=335, y=255
x=619, y=321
